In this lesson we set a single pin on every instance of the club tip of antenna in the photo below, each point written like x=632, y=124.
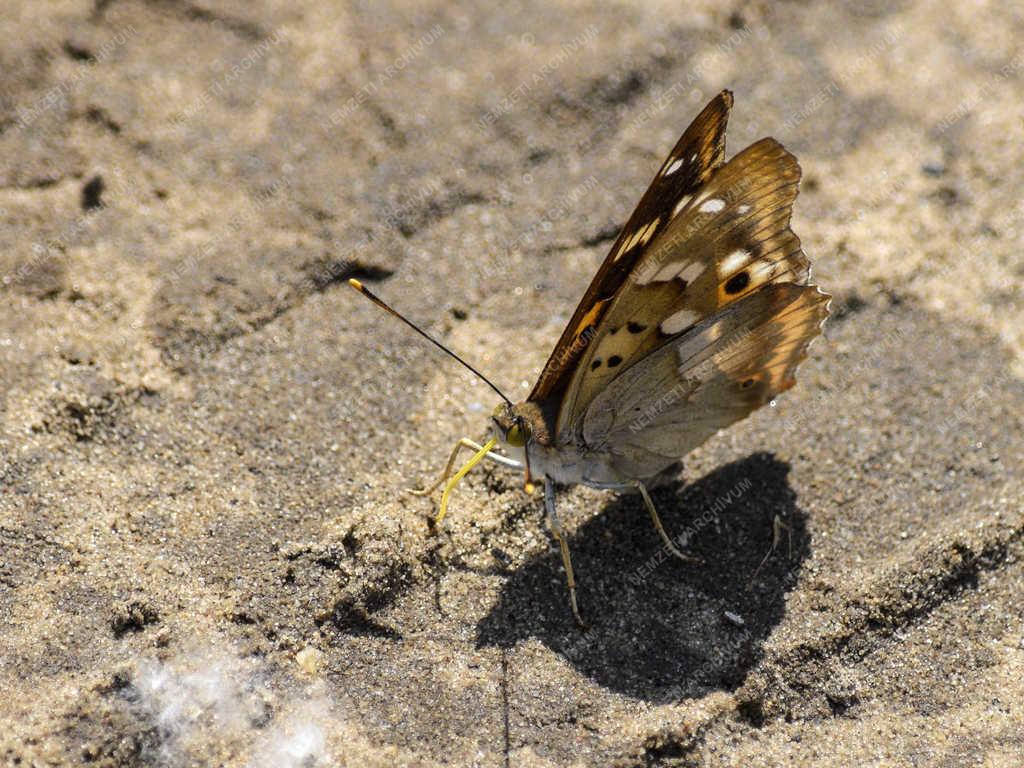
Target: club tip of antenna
x=355, y=284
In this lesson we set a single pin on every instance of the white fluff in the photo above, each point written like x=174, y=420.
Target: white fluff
x=210, y=699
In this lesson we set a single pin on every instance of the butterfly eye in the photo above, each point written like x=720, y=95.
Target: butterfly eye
x=517, y=435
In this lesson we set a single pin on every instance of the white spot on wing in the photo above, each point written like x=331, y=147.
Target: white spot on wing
x=743, y=209
x=641, y=236
x=682, y=203
x=649, y=230
x=679, y=321
x=675, y=166
x=688, y=272
x=627, y=244
x=714, y=205
x=693, y=270
x=632, y=240
x=665, y=274
x=733, y=262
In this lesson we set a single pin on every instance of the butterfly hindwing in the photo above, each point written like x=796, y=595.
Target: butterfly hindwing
x=727, y=239
x=699, y=151
x=702, y=380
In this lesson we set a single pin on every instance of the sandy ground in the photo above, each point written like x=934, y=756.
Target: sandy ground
x=206, y=553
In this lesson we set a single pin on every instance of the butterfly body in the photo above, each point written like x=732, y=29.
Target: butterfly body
x=572, y=463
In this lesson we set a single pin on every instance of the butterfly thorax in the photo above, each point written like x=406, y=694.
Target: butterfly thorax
x=526, y=434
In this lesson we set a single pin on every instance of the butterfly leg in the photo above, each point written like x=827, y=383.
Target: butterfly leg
x=778, y=526
x=464, y=443
x=669, y=544
x=556, y=527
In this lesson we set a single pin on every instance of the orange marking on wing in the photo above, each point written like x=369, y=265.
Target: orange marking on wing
x=590, y=318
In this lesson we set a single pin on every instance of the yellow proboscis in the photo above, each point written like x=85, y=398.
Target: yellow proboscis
x=477, y=458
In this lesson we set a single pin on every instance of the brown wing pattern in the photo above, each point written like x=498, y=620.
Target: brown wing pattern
x=693, y=160
x=703, y=380
x=728, y=239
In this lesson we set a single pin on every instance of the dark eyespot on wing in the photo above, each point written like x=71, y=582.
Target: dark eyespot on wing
x=737, y=282
x=636, y=327
x=595, y=365
x=614, y=360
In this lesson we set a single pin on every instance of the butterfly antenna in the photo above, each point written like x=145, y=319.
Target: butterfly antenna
x=380, y=303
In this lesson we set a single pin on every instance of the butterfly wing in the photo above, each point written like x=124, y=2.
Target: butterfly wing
x=726, y=240
x=693, y=160
x=704, y=379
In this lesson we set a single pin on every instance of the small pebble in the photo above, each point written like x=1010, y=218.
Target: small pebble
x=735, y=619
x=309, y=660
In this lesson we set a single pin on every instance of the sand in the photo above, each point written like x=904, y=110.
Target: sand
x=207, y=555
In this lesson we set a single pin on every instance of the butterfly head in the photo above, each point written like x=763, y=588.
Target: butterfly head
x=519, y=428
x=511, y=426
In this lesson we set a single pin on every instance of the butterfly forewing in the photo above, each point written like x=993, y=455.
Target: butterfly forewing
x=739, y=222
x=730, y=238
x=693, y=160
x=705, y=379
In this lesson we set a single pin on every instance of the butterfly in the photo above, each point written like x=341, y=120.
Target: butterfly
x=699, y=315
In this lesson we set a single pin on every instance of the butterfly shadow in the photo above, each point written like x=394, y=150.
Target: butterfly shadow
x=660, y=629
